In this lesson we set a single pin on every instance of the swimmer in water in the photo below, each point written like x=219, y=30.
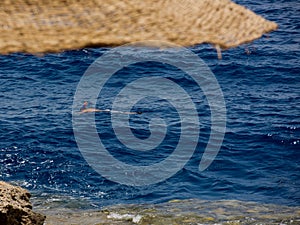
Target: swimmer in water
x=84, y=106
x=85, y=109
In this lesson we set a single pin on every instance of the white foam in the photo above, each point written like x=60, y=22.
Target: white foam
x=134, y=218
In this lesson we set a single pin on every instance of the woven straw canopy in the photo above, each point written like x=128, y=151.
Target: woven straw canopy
x=38, y=26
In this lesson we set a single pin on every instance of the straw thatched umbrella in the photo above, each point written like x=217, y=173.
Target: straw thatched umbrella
x=38, y=26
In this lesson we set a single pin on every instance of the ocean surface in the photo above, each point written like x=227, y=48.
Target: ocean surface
x=260, y=156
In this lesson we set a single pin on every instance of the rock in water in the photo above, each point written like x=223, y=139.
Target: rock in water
x=15, y=207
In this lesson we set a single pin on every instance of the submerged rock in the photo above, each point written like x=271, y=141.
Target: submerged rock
x=177, y=212
x=15, y=207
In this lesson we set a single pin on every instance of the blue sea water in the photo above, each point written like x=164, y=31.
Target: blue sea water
x=258, y=161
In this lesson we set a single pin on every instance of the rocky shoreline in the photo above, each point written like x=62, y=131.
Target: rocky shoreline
x=15, y=206
x=180, y=212
x=16, y=209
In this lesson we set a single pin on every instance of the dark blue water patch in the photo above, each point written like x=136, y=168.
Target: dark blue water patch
x=140, y=129
x=150, y=107
x=258, y=161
